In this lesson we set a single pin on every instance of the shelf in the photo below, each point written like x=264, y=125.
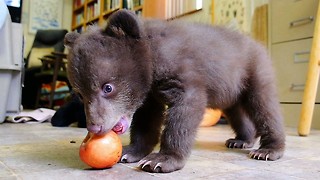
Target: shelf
x=93, y=19
x=137, y=8
x=77, y=26
x=91, y=1
x=79, y=8
x=78, y=5
x=86, y=12
x=108, y=12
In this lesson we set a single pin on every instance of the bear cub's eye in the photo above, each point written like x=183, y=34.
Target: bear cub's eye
x=107, y=89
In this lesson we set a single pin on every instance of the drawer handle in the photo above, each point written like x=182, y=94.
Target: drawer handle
x=296, y=58
x=302, y=21
x=297, y=87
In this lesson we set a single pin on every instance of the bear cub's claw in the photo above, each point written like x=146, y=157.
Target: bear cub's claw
x=161, y=163
x=131, y=155
x=237, y=143
x=266, y=154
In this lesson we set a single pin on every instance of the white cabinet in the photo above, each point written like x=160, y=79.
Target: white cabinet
x=292, y=19
x=291, y=30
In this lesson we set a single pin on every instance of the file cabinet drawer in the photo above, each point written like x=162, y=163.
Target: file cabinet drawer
x=292, y=19
x=291, y=61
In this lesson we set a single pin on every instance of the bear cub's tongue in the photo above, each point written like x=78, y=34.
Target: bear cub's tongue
x=121, y=126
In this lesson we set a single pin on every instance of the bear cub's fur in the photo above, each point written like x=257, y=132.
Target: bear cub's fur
x=149, y=74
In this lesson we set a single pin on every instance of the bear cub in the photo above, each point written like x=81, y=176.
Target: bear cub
x=157, y=77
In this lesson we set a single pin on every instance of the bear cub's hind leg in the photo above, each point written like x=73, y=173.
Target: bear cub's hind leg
x=242, y=126
x=263, y=111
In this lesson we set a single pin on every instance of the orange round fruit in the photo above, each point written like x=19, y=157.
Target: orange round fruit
x=101, y=151
x=210, y=117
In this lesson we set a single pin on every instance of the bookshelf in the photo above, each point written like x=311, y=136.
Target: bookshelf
x=134, y=5
x=88, y=12
x=170, y=9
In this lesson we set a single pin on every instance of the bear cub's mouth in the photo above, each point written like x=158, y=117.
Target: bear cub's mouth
x=122, y=126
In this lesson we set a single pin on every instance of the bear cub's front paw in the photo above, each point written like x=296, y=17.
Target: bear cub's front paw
x=161, y=163
x=237, y=143
x=130, y=154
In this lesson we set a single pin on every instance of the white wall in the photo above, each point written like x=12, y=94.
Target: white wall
x=203, y=16
x=29, y=37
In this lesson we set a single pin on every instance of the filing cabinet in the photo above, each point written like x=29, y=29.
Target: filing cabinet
x=291, y=30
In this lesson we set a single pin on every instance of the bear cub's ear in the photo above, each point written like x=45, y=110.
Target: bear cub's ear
x=70, y=38
x=124, y=23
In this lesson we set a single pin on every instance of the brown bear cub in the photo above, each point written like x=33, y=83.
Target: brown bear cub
x=157, y=78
